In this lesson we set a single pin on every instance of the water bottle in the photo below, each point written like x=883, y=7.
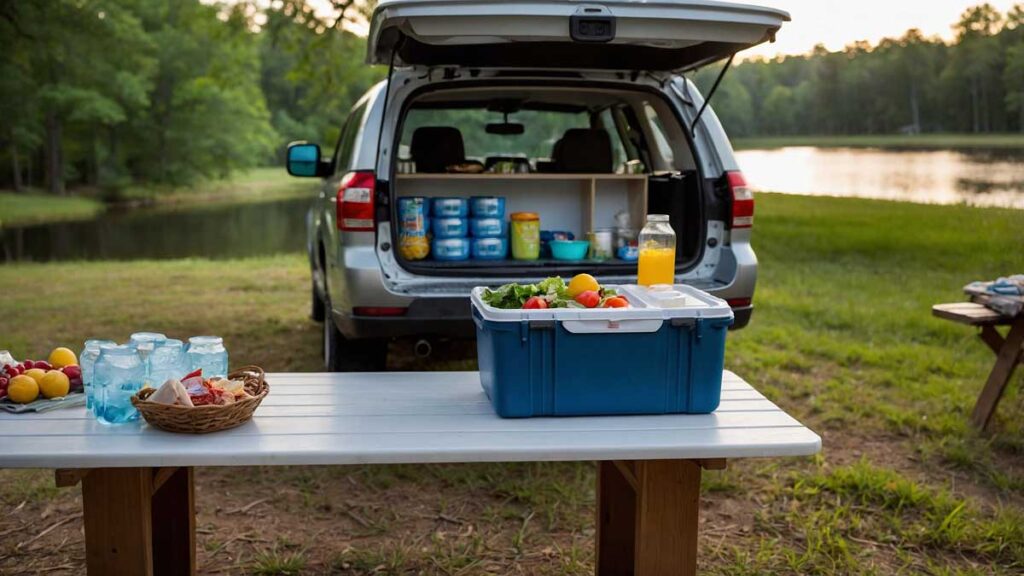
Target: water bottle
x=119, y=374
x=87, y=362
x=208, y=353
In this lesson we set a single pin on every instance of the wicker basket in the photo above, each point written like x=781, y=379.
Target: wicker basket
x=205, y=419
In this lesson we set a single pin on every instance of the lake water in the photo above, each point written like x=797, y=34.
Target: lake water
x=994, y=178
x=220, y=231
x=977, y=178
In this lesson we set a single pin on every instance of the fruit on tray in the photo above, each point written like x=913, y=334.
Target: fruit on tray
x=555, y=293
x=22, y=389
x=61, y=357
x=589, y=298
x=53, y=378
x=55, y=384
x=581, y=283
x=616, y=302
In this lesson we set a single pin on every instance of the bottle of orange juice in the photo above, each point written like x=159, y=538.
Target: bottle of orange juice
x=657, y=245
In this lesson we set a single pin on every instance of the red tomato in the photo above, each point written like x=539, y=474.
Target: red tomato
x=535, y=303
x=616, y=302
x=589, y=298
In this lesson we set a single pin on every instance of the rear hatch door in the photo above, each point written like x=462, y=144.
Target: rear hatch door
x=658, y=35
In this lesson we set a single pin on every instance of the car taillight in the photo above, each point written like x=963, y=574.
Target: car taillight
x=742, y=201
x=739, y=302
x=355, y=202
x=379, y=311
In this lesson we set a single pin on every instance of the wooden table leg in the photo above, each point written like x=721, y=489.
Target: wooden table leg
x=174, y=528
x=1006, y=361
x=647, y=513
x=139, y=521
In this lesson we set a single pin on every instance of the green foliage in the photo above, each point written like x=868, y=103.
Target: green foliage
x=908, y=84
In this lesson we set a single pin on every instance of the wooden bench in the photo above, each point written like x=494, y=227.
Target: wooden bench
x=1008, y=350
x=137, y=482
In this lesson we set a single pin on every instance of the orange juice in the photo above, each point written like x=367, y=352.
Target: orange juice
x=657, y=266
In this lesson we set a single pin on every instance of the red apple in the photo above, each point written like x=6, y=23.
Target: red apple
x=72, y=372
x=42, y=364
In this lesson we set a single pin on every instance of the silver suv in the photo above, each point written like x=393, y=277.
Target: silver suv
x=575, y=111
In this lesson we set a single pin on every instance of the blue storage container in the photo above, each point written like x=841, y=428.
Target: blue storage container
x=488, y=227
x=487, y=206
x=450, y=227
x=450, y=249
x=454, y=207
x=490, y=248
x=660, y=356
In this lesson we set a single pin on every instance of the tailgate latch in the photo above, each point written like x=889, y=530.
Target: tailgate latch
x=592, y=24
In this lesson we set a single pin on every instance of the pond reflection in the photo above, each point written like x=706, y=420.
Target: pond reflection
x=980, y=178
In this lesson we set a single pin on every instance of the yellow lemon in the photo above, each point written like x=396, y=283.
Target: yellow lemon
x=35, y=374
x=581, y=283
x=61, y=357
x=55, y=384
x=22, y=389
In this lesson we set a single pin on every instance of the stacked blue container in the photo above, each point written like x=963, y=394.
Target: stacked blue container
x=489, y=228
x=450, y=229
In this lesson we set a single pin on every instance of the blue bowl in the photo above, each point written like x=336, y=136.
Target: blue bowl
x=449, y=227
x=450, y=249
x=487, y=206
x=569, y=249
x=456, y=207
x=490, y=248
x=487, y=227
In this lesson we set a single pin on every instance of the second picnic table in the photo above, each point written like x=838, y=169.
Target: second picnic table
x=137, y=482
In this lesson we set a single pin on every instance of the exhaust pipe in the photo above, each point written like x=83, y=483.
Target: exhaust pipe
x=422, y=348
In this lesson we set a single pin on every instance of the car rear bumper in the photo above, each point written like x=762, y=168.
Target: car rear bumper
x=445, y=317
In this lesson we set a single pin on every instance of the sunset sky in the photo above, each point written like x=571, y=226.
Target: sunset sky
x=837, y=23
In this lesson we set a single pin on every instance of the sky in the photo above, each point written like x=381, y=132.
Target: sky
x=836, y=23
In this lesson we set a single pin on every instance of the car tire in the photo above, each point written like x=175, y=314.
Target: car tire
x=317, y=309
x=344, y=355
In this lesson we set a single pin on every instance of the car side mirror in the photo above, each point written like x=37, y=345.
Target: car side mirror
x=304, y=160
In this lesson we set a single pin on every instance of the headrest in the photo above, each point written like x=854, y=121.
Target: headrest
x=434, y=148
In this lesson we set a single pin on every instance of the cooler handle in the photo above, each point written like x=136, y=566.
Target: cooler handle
x=635, y=326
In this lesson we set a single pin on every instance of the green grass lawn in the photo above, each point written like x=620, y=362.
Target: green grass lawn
x=35, y=208
x=921, y=141
x=842, y=337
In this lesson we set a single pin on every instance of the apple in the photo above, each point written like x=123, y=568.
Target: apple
x=72, y=371
x=43, y=364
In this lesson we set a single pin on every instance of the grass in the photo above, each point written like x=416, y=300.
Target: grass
x=257, y=185
x=920, y=141
x=842, y=338
x=36, y=208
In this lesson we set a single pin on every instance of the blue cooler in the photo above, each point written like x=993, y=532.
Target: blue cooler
x=663, y=355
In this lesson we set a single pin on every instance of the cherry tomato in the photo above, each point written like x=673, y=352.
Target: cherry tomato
x=616, y=302
x=589, y=298
x=535, y=303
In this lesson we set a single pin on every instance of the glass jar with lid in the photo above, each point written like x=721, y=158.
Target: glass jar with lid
x=208, y=353
x=657, y=245
x=120, y=372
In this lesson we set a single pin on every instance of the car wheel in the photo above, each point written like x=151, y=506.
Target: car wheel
x=317, y=310
x=343, y=355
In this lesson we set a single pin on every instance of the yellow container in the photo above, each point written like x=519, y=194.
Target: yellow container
x=657, y=266
x=525, y=235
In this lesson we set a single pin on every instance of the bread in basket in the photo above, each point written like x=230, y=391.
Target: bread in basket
x=209, y=418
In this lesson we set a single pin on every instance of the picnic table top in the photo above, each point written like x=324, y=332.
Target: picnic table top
x=404, y=417
x=970, y=313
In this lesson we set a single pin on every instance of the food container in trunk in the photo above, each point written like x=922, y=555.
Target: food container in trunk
x=487, y=227
x=450, y=249
x=450, y=227
x=487, y=206
x=645, y=359
x=455, y=207
x=490, y=248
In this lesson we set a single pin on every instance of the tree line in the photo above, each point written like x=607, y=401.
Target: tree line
x=910, y=84
x=107, y=93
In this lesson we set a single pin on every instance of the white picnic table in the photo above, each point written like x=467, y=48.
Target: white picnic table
x=137, y=481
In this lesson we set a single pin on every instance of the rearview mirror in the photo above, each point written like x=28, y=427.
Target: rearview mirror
x=303, y=159
x=506, y=129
